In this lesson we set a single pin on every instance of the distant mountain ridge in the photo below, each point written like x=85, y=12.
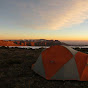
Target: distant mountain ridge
x=40, y=42
x=7, y=43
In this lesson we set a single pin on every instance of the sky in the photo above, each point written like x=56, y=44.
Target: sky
x=44, y=19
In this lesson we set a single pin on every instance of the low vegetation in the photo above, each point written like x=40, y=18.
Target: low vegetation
x=15, y=71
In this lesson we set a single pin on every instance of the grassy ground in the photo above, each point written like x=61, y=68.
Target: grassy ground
x=15, y=71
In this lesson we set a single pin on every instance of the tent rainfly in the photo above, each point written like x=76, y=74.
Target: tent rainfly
x=62, y=63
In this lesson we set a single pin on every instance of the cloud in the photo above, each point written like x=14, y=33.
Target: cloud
x=51, y=14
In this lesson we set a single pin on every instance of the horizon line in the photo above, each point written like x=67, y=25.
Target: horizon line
x=45, y=39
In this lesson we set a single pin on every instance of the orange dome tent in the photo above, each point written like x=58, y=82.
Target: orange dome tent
x=62, y=63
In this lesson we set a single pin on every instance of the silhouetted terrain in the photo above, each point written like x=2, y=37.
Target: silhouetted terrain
x=7, y=43
x=41, y=42
x=15, y=70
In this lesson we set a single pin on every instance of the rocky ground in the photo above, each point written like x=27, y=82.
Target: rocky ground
x=15, y=71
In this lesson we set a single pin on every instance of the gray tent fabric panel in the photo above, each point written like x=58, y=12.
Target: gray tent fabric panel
x=43, y=50
x=68, y=71
x=38, y=67
x=71, y=50
x=59, y=75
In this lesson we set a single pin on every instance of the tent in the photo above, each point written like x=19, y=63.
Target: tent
x=62, y=63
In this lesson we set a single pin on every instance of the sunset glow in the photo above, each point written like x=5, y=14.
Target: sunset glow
x=44, y=19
